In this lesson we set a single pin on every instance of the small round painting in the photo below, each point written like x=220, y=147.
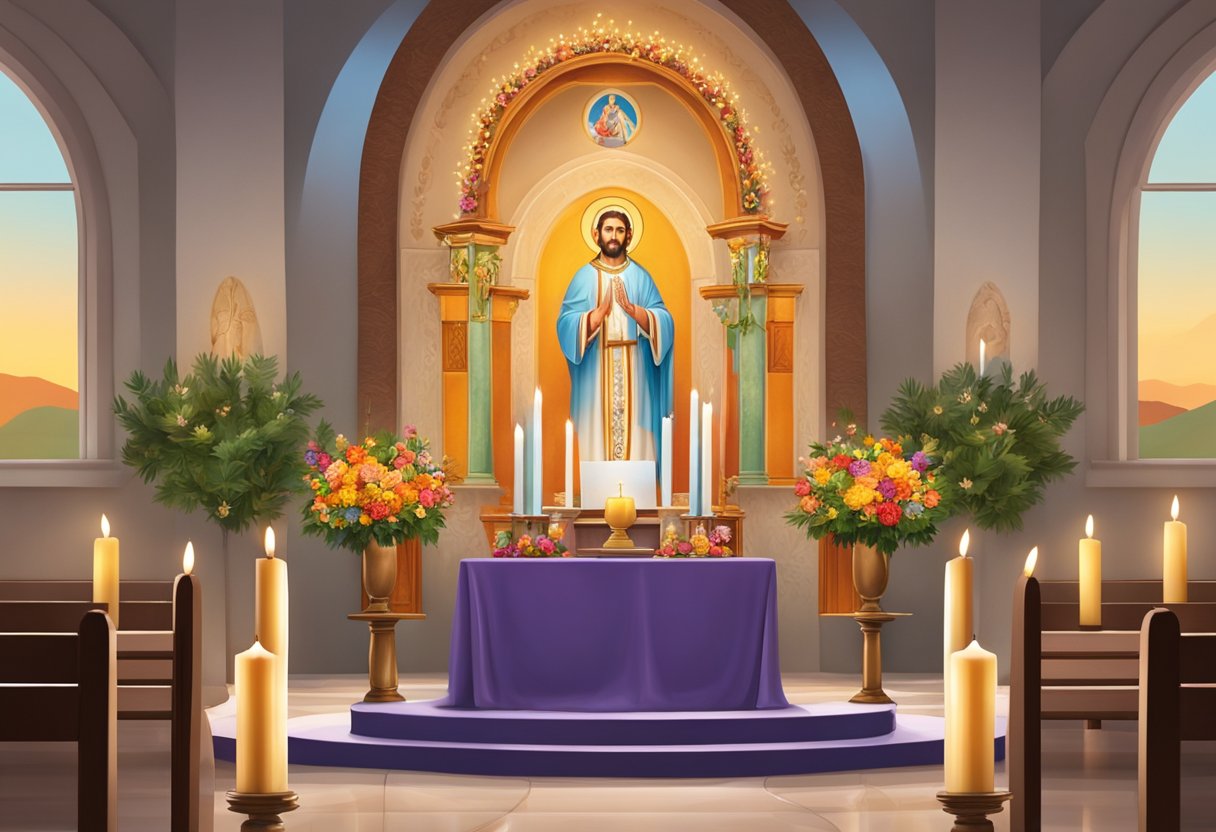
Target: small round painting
x=612, y=118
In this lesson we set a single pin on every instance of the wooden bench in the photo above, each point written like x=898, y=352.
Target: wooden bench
x=1177, y=702
x=60, y=687
x=158, y=655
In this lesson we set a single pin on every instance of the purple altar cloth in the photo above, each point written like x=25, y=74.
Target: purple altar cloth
x=615, y=635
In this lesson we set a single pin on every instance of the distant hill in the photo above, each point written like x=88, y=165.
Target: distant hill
x=21, y=393
x=1153, y=412
x=41, y=433
x=1188, y=396
x=1190, y=435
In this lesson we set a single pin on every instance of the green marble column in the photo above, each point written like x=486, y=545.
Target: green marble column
x=749, y=262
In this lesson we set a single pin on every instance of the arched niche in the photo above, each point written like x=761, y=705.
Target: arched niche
x=988, y=319
x=382, y=195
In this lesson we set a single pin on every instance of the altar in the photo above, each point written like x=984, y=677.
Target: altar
x=616, y=635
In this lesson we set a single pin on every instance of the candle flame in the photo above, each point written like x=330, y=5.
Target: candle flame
x=519, y=431
x=1089, y=526
x=538, y=397
x=269, y=542
x=1031, y=560
x=188, y=558
x=964, y=543
x=105, y=524
x=1174, y=508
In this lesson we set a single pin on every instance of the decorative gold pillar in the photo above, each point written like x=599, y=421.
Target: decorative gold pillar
x=475, y=314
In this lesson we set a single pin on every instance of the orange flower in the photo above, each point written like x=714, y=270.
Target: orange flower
x=932, y=498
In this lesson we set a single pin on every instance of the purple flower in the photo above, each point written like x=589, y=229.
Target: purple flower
x=886, y=487
x=468, y=204
x=859, y=467
x=310, y=457
x=920, y=461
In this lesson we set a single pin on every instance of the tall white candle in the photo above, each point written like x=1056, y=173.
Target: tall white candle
x=1174, y=559
x=983, y=349
x=694, y=454
x=538, y=470
x=707, y=458
x=569, y=463
x=959, y=627
x=270, y=628
x=517, y=499
x=665, y=452
x=105, y=570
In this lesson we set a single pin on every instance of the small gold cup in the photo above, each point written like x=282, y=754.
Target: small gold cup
x=620, y=513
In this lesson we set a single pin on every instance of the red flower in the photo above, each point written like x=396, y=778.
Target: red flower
x=889, y=514
x=841, y=461
x=802, y=488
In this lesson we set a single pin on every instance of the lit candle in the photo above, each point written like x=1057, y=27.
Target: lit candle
x=706, y=502
x=517, y=499
x=1031, y=560
x=694, y=454
x=569, y=463
x=971, y=721
x=105, y=570
x=270, y=627
x=538, y=470
x=983, y=349
x=188, y=558
x=1089, y=555
x=665, y=452
x=1174, y=566
x=258, y=770
x=959, y=628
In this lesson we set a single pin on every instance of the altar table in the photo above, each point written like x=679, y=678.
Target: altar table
x=565, y=634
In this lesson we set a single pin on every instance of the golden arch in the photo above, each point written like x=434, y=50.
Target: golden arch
x=609, y=69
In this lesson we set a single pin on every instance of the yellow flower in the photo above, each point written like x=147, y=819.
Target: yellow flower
x=223, y=509
x=420, y=512
x=700, y=544
x=858, y=496
x=868, y=441
x=340, y=442
x=365, y=519
x=899, y=469
x=832, y=513
x=859, y=453
x=369, y=442
x=822, y=475
x=937, y=410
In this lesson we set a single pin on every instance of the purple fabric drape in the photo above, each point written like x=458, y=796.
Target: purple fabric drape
x=616, y=635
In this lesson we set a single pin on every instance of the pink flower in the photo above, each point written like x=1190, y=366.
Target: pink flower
x=410, y=431
x=399, y=463
x=369, y=472
x=1000, y=428
x=684, y=547
x=323, y=460
x=802, y=488
x=428, y=498
x=407, y=457
x=546, y=545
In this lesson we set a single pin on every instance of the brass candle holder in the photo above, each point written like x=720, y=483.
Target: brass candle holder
x=263, y=809
x=971, y=809
x=620, y=513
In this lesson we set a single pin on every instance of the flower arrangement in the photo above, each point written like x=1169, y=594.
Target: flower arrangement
x=225, y=438
x=387, y=489
x=870, y=492
x=541, y=546
x=607, y=38
x=699, y=545
x=999, y=440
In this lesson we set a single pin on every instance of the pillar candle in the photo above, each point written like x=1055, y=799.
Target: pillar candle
x=959, y=628
x=1174, y=566
x=665, y=452
x=707, y=458
x=1089, y=567
x=517, y=498
x=258, y=770
x=569, y=463
x=538, y=470
x=270, y=628
x=694, y=454
x=983, y=349
x=105, y=570
x=971, y=721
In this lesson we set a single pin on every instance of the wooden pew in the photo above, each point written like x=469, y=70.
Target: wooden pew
x=1060, y=671
x=1177, y=702
x=61, y=687
x=159, y=658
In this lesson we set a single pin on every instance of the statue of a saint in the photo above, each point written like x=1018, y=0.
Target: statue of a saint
x=617, y=336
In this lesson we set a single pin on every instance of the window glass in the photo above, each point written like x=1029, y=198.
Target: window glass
x=28, y=151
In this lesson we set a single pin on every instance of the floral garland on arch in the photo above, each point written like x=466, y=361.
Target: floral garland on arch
x=607, y=38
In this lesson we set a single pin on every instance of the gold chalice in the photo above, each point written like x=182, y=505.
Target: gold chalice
x=620, y=513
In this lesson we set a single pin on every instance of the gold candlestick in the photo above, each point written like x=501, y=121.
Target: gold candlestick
x=263, y=809
x=620, y=513
x=971, y=809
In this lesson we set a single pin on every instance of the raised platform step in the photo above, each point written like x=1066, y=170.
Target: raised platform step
x=431, y=722
x=327, y=739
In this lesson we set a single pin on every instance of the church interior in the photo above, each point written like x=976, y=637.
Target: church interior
x=531, y=415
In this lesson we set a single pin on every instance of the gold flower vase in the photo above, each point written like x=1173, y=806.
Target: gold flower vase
x=379, y=575
x=871, y=570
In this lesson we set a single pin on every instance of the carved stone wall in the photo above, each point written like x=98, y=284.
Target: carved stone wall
x=988, y=318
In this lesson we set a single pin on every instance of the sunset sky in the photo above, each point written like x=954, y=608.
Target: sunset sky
x=1177, y=267
x=38, y=249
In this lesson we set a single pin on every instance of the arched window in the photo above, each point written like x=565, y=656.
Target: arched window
x=1176, y=287
x=40, y=359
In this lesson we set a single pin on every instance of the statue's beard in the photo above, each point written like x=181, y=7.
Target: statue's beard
x=612, y=248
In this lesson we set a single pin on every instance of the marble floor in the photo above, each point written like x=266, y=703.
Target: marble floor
x=1090, y=783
